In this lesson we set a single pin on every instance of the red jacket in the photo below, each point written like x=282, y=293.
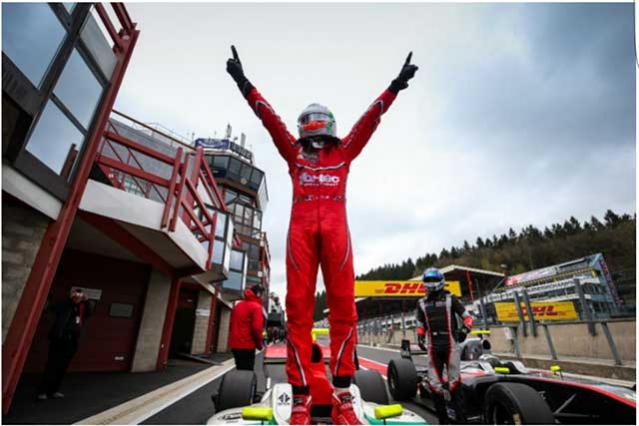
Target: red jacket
x=247, y=322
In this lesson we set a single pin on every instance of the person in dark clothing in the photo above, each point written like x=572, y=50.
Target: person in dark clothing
x=247, y=322
x=442, y=318
x=70, y=318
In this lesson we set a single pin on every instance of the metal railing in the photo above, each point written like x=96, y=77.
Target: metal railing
x=188, y=193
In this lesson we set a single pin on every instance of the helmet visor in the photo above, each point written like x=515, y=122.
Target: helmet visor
x=314, y=116
x=433, y=279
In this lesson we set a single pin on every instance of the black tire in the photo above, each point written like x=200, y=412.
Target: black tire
x=371, y=386
x=402, y=379
x=516, y=403
x=237, y=389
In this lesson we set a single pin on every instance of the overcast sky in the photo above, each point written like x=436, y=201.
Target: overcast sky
x=519, y=114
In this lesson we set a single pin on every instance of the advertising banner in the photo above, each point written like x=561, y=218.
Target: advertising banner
x=398, y=288
x=543, y=311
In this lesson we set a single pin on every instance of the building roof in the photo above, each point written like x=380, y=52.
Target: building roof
x=451, y=268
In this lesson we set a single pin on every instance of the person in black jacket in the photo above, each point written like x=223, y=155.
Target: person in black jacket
x=70, y=317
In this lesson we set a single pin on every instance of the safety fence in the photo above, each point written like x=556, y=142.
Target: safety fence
x=179, y=178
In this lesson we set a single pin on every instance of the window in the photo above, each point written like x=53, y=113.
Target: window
x=55, y=141
x=234, y=281
x=256, y=178
x=245, y=173
x=218, y=252
x=78, y=89
x=237, y=260
x=31, y=37
x=220, y=162
x=220, y=226
x=229, y=195
x=234, y=167
x=69, y=7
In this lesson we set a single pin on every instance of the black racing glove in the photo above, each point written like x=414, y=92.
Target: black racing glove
x=234, y=67
x=408, y=71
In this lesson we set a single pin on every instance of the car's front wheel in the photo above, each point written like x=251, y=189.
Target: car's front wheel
x=237, y=389
x=402, y=379
x=516, y=403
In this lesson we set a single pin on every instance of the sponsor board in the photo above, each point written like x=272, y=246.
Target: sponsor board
x=399, y=288
x=543, y=311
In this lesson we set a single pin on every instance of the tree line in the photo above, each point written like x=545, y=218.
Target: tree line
x=530, y=248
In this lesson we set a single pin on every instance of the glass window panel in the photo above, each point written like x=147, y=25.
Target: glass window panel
x=69, y=7
x=234, y=167
x=237, y=260
x=78, y=89
x=234, y=281
x=54, y=138
x=248, y=216
x=229, y=195
x=245, y=172
x=218, y=252
x=31, y=37
x=99, y=45
x=220, y=225
x=256, y=176
x=257, y=220
x=220, y=162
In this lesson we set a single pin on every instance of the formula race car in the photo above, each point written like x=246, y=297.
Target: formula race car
x=495, y=391
x=238, y=402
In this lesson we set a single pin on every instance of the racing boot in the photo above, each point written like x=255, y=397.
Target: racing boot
x=343, y=412
x=301, y=411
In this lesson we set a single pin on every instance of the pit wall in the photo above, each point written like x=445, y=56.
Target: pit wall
x=570, y=340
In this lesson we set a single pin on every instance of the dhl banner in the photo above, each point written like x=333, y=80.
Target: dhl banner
x=543, y=311
x=398, y=288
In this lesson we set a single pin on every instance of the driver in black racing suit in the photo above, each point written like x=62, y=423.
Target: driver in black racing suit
x=437, y=316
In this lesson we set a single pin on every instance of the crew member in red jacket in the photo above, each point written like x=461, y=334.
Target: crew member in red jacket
x=318, y=164
x=247, y=322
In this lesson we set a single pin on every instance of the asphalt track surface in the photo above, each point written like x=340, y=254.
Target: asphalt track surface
x=197, y=407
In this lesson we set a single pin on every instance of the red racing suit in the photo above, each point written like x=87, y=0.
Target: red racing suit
x=247, y=322
x=319, y=234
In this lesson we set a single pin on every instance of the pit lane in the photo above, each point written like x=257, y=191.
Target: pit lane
x=196, y=408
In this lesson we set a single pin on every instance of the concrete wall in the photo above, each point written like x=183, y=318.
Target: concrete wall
x=202, y=320
x=147, y=346
x=22, y=231
x=569, y=340
x=223, y=333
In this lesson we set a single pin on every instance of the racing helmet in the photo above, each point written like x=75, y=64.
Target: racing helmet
x=433, y=280
x=317, y=121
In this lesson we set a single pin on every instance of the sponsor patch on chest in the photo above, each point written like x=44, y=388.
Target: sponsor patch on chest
x=322, y=179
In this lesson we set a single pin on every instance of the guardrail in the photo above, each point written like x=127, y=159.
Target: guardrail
x=183, y=182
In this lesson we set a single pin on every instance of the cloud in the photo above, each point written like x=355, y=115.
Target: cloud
x=520, y=113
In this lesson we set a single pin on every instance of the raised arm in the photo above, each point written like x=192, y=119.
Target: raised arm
x=355, y=141
x=284, y=141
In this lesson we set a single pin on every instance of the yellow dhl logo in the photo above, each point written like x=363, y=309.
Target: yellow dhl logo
x=548, y=311
x=398, y=288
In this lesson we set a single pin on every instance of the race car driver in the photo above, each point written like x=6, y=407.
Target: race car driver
x=318, y=164
x=438, y=320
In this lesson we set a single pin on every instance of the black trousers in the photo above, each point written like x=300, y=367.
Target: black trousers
x=244, y=358
x=440, y=359
x=61, y=352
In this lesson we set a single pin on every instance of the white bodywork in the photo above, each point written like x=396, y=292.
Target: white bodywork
x=280, y=399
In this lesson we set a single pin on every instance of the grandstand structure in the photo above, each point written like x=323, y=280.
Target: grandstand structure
x=587, y=275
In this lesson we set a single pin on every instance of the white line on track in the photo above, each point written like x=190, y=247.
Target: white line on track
x=141, y=408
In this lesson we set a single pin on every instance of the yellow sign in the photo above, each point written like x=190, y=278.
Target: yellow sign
x=543, y=311
x=398, y=288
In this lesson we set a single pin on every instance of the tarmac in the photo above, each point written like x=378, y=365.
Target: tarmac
x=89, y=393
